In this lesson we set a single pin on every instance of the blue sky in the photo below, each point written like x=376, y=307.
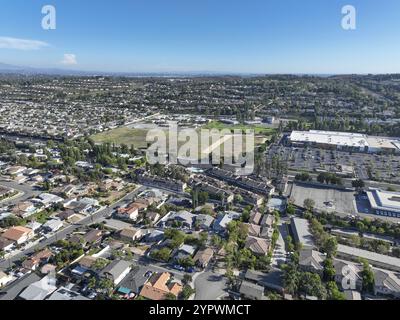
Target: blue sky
x=249, y=36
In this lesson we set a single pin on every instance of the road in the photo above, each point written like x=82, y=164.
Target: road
x=210, y=285
x=26, y=190
x=62, y=234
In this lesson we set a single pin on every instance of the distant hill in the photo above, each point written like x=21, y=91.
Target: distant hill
x=10, y=69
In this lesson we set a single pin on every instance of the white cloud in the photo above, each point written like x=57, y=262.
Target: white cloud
x=69, y=59
x=21, y=44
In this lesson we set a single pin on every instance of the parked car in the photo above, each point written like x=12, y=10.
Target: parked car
x=190, y=270
x=178, y=267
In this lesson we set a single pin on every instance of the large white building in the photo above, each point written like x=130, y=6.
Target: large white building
x=345, y=141
x=384, y=203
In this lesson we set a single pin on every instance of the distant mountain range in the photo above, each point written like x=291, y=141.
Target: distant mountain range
x=11, y=69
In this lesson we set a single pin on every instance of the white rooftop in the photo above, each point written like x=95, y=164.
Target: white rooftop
x=330, y=137
x=345, y=139
x=384, y=200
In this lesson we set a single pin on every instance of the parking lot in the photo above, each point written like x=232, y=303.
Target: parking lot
x=366, y=166
x=326, y=199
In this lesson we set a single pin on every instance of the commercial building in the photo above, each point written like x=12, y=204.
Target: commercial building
x=346, y=141
x=384, y=203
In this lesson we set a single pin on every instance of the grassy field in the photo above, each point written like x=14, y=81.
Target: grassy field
x=123, y=135
x=137, y=137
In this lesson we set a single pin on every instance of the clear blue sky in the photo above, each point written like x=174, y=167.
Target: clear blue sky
x=250, y=36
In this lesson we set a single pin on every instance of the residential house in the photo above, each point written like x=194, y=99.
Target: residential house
x=34, y=225
x=251, y=291
x=4, y=279
x=18, y=234
x=184, y=251
x=130, y=234
x=387, y=283
x=152, y=216
x=87, y=262
x=39, y=290
x=203, y=257
x=6, y=244
x=117, y=270
x=255, y=217
x=348, y=271
x=48, y=199
x=83, y=206
x=66, y=215
x=93, y=236
x=65, y=294
x=223, y=220
x=131, y=212
x=352, y=295
x=258, y=246
x=183, y=218
x=272, y=280
x=159, y=285
x=53, y=225
x=15, y=170
x=268, y=220
x=37, y=259
x=24, y=209
x=204, y=221
x=111, y=185
x=154, y=236
x=311, y=261
x=254, y=230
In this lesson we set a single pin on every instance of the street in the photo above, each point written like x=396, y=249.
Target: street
x=62, y=234
x=26, y=190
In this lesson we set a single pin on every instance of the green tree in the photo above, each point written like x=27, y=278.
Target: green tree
x=311, y=284
x=309, y=204
x=329, y=270
x=333, y=291
x=187, y=291
x=291, y=278
x=329, y=246
x=290, y=210
x=368, y=277
x=187, y=278
x=170, y=296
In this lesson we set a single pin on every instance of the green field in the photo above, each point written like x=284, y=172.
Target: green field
x=137, y=137
x=123, y=135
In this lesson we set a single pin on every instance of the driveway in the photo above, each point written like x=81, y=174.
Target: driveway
x=279, y=255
